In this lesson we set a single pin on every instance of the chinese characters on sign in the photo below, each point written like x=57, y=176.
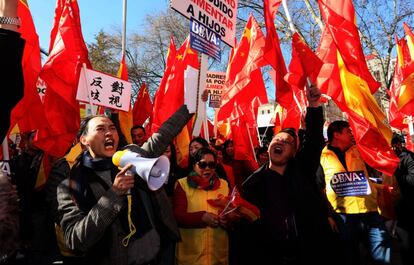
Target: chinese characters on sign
x=104, y=90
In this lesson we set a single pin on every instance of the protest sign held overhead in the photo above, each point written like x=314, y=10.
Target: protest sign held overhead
x=104, y=90
x=219, y=15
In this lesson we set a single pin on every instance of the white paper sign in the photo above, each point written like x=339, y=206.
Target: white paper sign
x=215, y=84
x=219, y=16
x=190, y=88
x=104, y=90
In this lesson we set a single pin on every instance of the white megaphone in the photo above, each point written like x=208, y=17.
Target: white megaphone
x=154, y=171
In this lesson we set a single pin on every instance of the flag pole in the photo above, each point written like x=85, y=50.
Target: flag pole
x=292, y=29
x=288, y=17
x=251, y=142
x=201, y=118
x=124, y=15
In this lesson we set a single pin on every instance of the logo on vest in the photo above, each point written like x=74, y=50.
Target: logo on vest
x=352, y=183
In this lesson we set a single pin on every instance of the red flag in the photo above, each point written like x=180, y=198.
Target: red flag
x=246, y=99
x=142, y=107
x=270, y=8
x=243, y=72
x=245, y=139
x=29, y=113
x=61, y=75
x=304, y=63
x=397, y=118
x=159, y=94
x=273, y=54
x=372, y=135
x=173, y=96
x=328, y=80
x=409, y=144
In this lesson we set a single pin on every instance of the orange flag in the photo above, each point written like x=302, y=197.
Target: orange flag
x=29, y=113
x=125, y=117
x=244, y=66
x=61, y=74
x=372, y=135
x=405, y=101
x=142, y=107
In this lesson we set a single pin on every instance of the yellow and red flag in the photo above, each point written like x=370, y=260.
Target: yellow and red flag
x=405, y=100
x=125, y=117
x=368, y=122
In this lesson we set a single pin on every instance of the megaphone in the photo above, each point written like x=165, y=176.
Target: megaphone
x=154, y=171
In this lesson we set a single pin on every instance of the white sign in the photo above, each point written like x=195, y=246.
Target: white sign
x=41, y=89
x=215, y=84
x=5, y=168
x=217, y=15
x=104, y=90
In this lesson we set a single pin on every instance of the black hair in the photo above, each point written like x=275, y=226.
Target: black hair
x=202, y=152
x=397, y=138
x=336, y=126
x=138, y=127
x=203, y=143
x=83, y=128
x=199, y=140
x=292, y=132
x=226, y=157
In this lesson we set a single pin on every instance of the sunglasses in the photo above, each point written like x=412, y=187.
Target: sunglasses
x=204, y=165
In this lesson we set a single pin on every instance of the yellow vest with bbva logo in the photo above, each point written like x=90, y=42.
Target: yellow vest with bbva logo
x=202, y=246
x=335, y=172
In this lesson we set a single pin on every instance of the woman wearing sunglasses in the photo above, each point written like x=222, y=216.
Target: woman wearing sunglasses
x=204, y=239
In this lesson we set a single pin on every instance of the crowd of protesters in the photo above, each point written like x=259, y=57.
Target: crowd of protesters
x=310, y=211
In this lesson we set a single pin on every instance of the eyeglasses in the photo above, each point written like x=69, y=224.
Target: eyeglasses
x=283, y=141
x=204, y=165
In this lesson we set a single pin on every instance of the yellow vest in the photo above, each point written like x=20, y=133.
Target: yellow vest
x=347, y=204
x=202, y=246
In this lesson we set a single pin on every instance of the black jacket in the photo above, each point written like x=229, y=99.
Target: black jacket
x=405, y=178
x=294, y=213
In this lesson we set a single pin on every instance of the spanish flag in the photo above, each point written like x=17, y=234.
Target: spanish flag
x=368, y=122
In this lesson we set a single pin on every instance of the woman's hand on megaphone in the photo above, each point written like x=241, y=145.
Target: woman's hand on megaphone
x=124, y=181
